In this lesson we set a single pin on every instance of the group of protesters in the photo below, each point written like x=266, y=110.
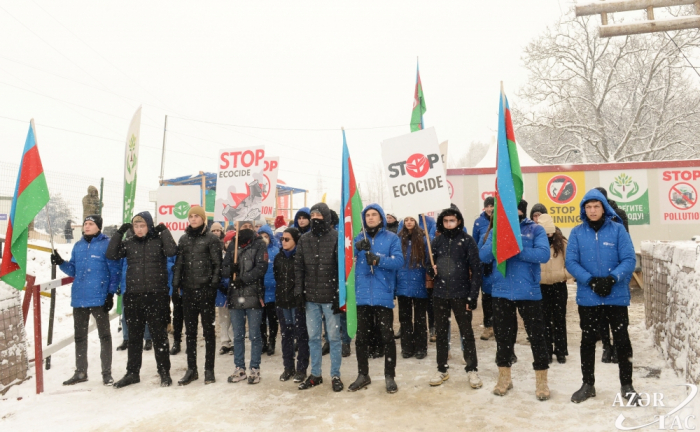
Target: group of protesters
x=286, y=281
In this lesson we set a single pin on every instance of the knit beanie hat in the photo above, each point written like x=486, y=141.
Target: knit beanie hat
x=294, y=233
x=215, y=226
x=547, y=223
x=97, y=219
x=489, y=202
x=279, y=221
x=522, y=206
x=198, y=210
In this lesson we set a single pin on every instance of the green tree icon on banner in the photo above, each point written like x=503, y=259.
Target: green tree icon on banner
x=623, y=186
x=181, y=210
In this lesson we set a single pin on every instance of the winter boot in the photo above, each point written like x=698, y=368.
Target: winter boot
x=607, y=354
x=542, y=389
x=474, y=380
x=209, y=377
x=630, y=394
x=254, y=376
x=286, y=375
x=299, y=376
x=129, y=378
x=504, y=382
x=78, y=377
x=439, y=378
x=487, y=334
x=190, y=375
x=148, y=345
x=346, y=350
x=107, y=379
x=433, y=335
x=361, y=382
x=406, y=354
x=311, y=381
x=224, y=350
x=176, y=347
x=561, y=358
x=124, y=346
x=271, y=347
x=586, y=391
x=326, y=349
x=391, y=386
x=165, y=380
x=421, y=354
x=265, y=345
x=337, y=384
x=238, y=376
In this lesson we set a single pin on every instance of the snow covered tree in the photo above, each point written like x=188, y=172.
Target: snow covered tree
x=477, y=151
x=59, y=212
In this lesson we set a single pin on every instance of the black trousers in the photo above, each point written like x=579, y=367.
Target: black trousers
x=375, y=341
x=487, y=307
x=414, y=330
x=293, y=327
x=178, y=315
x=554, y=299
x=81, y=322
x=505, y=321
x=431, y=311
x=367, y=316
x=269, y=316
x=196, y=303
x=590, y=317
x=152, y=309
x=458, y=306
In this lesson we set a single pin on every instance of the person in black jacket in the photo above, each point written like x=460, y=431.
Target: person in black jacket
x=197, y=273
x=290, y=310
x=68, y=231
x=147, y=300
x=316, y=278
x=457, y=273
x=245, y=300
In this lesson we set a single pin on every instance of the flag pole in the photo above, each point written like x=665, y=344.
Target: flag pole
x=48, y=221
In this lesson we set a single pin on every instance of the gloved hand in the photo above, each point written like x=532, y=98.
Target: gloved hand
x=471, y=303
x=56, y=258
x=372, y=259
x=235, y=268
x=237, y=283
x=109, y=303
x=602, y=285
x=124, y=228
x=363, y=245
x=160, y=228
x=488, y=268
x=431, y=271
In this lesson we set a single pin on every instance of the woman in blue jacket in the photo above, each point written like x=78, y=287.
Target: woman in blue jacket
x=410, y=290
x=269, y=311
x=601, y=257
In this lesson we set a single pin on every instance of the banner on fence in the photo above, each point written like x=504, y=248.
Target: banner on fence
x=269, y=186
x=174, y=203
x=630, y=190
x=561, y=193
x=678, y=196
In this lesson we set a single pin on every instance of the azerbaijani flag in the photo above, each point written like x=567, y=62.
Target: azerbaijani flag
x=31, y=195
x=509, y=191
x=349, y=227
x=418, y=105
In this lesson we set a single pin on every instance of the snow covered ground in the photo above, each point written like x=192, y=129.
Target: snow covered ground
x=417, y=406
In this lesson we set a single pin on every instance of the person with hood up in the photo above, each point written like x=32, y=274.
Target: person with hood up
x=519, y=290
x=197, y=273
x=225, y=328
x=554, y=291
x=91, y=203
x=411, y=292
x=481, y=227
x=146, y=301
x=378, y=257
x=96, y=280
x=457, y=279
x=290, y=310
x=316, y=279
x=269, y=318
x=68, y=231
x=601, y=257
x=302, y=220
x=392, y=224
x=246, y=301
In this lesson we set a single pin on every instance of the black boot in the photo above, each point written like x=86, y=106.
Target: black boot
x=421, y=354
x=190, y=376
x=346, y=350
x=129, y=378
x=391, y=386
x=630, y=394
x=165, y=380
x=77, y=377
x=586, y=391
x=148, y=345
x=176, y=347
x=326, y=349
x=224, y=350
x=271, y=347
x=265, y=345
x=287, y=375
x=561, y=358
x=209, y=377
x=361, y=382
x=607, y=354
x=406, y=354
x=123, y=346
x=107, y=379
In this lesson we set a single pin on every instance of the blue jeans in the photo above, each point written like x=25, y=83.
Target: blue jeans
x=125, y=330
x=344, y=337
x=238, y=317
x=314, y=314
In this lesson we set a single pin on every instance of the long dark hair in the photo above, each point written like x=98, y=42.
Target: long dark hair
x=558, y=242
x=415, y=236
x=488, y=230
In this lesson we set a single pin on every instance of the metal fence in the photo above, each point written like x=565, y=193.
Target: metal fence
x=13, y=346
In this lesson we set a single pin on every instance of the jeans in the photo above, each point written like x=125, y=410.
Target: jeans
x=554, y=299
x=506, y=329
x=618, y=318
x=178, y=315
x=487, y=307
x=458, y=306
x=238, y=317
x=150, y=309
x=125, y=329
x=81, y=321
x=314, y=314
x=293, y=326
x=367, y=318
x=414, y=331
x=196, y=303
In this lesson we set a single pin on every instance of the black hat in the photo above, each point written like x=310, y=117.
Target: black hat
x=294, y=233
x=603, y=191
x=522, y=206
x=489, y=201
x=538, y=208
x=94, y=218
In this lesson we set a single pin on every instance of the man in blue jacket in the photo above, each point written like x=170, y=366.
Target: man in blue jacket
x=481, y=227
x=96, y=281
x=600, y=255
x=269, y=318
x=302, y=220
x=519, y=290
x=378, y=257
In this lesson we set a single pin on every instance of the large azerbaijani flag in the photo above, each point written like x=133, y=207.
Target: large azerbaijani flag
x=31, y=195
x=509, y=191
x=418, y=105
x=349, y=227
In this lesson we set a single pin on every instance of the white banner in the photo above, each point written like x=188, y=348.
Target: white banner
x=416, y=175
x=173, y=204
x=239, y=184
x=443, y=154
x=131, y=163
x=269, y=186
x=678, y=195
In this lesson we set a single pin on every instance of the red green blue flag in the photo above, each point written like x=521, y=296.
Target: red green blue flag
x=418, y=105
x=349, y=227
x=509, y=191
x=30, y=196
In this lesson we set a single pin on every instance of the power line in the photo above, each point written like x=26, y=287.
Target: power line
x=289, y=129
x=683, y=54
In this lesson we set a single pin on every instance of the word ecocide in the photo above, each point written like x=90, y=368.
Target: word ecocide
x=416, y=166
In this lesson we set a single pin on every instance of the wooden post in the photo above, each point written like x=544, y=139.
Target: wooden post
x=38, y=355
x=27, y=297
x=306, y=196
x=277, y=210
x=204, y=192
x=52, y=313
x=235, y=249
x=162, y=156
x=650, y=13
x=291, y=205
x=427, y=235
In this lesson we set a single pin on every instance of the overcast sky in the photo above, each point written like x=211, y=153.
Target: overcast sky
x=85, y=66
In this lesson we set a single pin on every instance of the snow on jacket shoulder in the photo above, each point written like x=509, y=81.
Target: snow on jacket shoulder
x=377, y=289
x=410, y=282
x=522, y=279
x=273, y=249
x=607, y=252
x=94, y=274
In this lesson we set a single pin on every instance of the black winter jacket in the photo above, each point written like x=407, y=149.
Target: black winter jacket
x=253, y=262
x=198, y=262
x=621, y=215
x=146, y=258
x=283, y=268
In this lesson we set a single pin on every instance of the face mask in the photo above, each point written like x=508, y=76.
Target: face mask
x=318, y=226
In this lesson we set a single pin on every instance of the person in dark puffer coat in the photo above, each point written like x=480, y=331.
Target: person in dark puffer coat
x=269, y=319
x=481, y=227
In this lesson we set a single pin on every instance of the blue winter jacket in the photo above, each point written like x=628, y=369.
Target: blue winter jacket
x=430, y=221
x=377, y=289
x=273, y=249
x=522, y=280
x=600, y=254
x=95, y=275
x=487, y=279
x=481, y=225
x=410, y=282
x=296, y=218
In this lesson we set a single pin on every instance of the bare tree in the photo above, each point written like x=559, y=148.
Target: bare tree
x=374, y=189
x=606, y=100
x=477, y=151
